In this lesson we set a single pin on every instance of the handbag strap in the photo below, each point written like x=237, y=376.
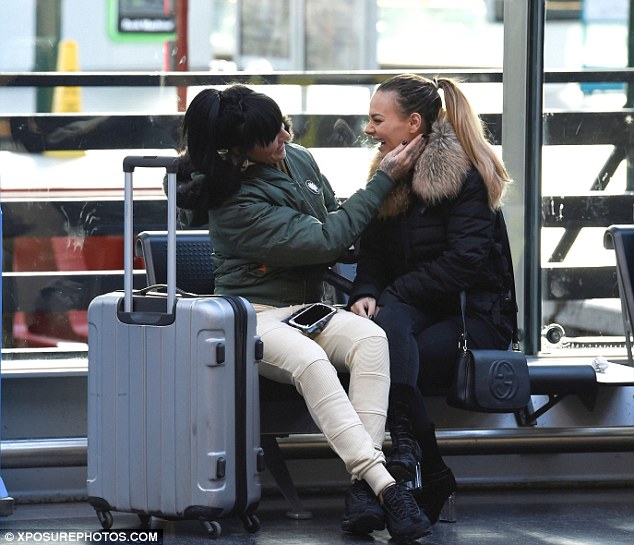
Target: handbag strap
x=462, y=341
x=506, y=245
x=515, y=340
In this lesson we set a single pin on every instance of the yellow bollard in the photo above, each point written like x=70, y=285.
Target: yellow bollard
x=67, y=99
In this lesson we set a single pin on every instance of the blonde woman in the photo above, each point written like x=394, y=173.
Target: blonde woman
x=438, y=233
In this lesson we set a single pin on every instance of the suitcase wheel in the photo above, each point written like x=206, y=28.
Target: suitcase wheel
x=105, y=518
x=144, y=519
x=251, y=523
x=212, y=527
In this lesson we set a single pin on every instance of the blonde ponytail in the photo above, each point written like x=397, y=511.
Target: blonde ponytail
x=470, y=131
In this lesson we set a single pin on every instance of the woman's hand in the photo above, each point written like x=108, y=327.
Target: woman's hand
x=365, y=307
x=401, y=159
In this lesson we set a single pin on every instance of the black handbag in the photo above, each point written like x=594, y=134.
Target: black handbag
x=490, y=381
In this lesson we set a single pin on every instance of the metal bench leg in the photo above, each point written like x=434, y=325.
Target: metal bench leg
x=276, y=464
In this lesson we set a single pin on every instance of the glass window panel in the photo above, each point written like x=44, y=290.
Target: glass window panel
x=113, y=121
x=585, y=180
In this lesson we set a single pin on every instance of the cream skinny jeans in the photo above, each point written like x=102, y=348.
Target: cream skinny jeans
x=353, y=423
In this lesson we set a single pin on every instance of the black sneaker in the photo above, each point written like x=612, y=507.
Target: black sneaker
x=405, y=521
x=363, y=514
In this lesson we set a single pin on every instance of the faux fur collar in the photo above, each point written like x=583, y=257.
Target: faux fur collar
x=438, y=174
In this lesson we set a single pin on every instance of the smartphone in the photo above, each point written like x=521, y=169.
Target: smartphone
x=313, y=318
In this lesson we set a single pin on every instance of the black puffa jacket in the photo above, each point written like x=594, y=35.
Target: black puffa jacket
x=436, y=236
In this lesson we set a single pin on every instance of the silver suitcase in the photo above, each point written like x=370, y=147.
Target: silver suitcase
x=173, y=396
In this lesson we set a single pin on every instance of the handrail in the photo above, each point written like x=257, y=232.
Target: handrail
x=334, y=77
x=72, y=451
x=50, y=452
x=176, y=79
x=455, y=442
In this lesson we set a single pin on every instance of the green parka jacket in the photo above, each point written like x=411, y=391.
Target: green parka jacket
x=274, y=239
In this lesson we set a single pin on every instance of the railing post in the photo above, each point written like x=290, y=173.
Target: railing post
x=47, y=29
x=522, y=142
x=629, y=177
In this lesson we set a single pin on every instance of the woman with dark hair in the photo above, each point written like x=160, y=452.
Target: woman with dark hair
x=438, y=233
x=276, y=227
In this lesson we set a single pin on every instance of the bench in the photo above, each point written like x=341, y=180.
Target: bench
x=285, y=412
x=282, y=410
x=620, y=238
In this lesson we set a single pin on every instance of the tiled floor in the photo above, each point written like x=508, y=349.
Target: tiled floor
x=499, y=517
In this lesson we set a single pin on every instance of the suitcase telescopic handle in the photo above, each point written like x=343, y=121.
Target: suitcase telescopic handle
x=149, y=161
x=171, y=165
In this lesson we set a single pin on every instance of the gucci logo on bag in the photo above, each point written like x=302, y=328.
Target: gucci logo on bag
x=503, y=382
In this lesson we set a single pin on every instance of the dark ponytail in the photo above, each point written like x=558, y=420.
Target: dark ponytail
x=199, y=124
x=219, y=129
x=202, y=138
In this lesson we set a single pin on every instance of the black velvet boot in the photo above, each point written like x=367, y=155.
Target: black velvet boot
x=403, y=460
x=438, y=483
x=437, y=490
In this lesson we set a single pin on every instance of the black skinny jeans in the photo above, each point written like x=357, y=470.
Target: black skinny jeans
x=424, y=346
